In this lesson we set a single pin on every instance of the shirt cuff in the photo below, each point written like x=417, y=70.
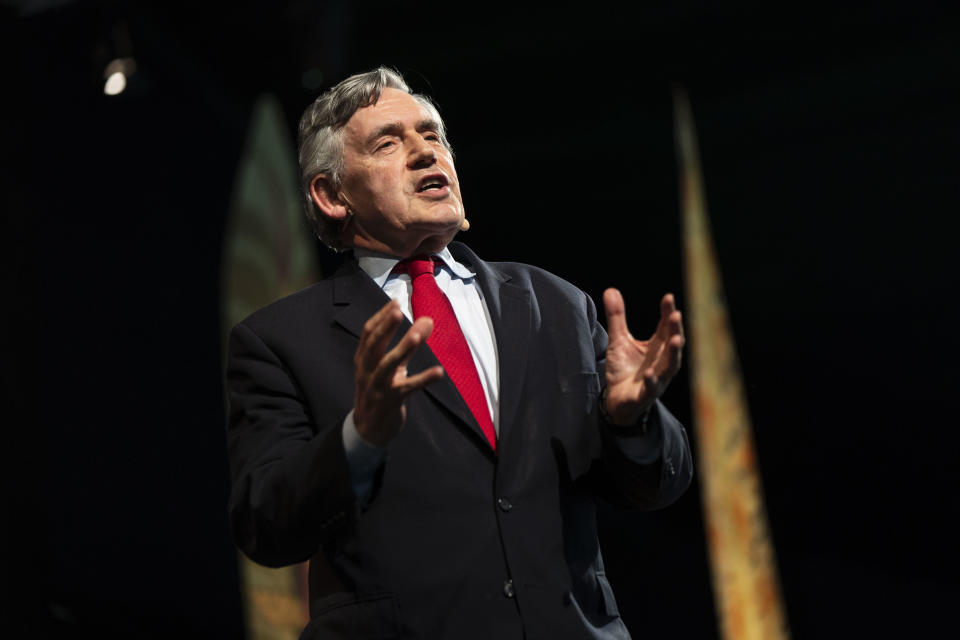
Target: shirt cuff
x=363, y=458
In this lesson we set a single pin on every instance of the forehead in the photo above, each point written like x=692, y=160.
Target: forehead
x=393, y=106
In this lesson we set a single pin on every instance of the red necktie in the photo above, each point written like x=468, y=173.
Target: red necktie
x=447, y=341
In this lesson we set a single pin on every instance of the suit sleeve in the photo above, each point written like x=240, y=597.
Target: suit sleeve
x=648, y=471
x=291, y=486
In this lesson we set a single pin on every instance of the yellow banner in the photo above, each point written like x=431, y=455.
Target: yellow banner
x=745, y=582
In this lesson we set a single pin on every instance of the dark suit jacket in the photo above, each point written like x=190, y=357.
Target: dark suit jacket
x=456, y=541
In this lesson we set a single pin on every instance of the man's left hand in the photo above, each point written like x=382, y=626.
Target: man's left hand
x=638, y=371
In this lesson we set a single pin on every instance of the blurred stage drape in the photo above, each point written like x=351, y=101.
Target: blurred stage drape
x=745, y=582
x=269, y=253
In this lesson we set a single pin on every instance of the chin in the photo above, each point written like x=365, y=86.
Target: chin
x=442, y=219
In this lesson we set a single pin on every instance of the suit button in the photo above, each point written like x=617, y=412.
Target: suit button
x=508, y=588
x=505, y=504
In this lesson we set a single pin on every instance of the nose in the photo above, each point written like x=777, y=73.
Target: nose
x=422, y=153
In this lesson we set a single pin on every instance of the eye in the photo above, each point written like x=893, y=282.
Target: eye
x=385, y=144
x=432, y=137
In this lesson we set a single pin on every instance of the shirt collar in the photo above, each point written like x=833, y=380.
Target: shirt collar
x=379, y=266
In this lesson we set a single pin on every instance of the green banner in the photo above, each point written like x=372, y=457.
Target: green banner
x=268, y=253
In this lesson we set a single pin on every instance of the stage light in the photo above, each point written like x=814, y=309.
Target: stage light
x=116, y=75
x=115, y=84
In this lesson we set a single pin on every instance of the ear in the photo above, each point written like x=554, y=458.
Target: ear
x=326, y=198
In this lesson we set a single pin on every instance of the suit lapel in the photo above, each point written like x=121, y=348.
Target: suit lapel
x=359, y=297
x=509, y=307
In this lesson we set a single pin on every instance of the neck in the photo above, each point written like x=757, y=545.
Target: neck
x=405, y=247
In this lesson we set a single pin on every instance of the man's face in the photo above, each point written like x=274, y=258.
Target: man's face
x=399, y=178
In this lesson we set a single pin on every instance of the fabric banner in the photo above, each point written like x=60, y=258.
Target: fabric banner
x=268, y=253
x=745, y=583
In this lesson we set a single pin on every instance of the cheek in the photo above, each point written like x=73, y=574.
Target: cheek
x=387, y=190
x=390, y=183
x=361, y=186
x=452, y=172
x=456, y=189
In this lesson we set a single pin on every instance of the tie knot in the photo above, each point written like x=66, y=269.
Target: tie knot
x=415, y=266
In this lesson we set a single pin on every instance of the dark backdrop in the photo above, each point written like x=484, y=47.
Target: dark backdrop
x=828, y=140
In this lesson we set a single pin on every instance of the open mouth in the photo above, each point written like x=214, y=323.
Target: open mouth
x=433, y=182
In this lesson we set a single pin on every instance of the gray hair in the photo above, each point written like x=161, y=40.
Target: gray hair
x=320, y=136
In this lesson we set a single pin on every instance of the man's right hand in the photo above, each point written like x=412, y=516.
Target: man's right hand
x=382, y=382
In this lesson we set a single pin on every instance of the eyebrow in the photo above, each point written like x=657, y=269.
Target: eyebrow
x=396, y=128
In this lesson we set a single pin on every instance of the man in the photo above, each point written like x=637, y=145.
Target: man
x=437, y=495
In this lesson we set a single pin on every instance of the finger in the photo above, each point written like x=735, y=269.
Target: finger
x=375, y=323
x=675, y=324
x=675, y=334
x=667, y=308
x=404, y=350
x=667, y=305
x=616, y=314
x=676, y=348
x=650, y=385
x=420, y=380
x=672, y=355
x=377, y=333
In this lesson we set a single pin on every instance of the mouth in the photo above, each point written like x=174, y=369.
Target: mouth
x=434, y=183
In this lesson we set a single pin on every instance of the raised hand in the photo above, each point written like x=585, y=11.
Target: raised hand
x=381, y=377
x=638, y=371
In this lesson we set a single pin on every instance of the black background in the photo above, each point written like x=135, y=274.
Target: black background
x=828, y=138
